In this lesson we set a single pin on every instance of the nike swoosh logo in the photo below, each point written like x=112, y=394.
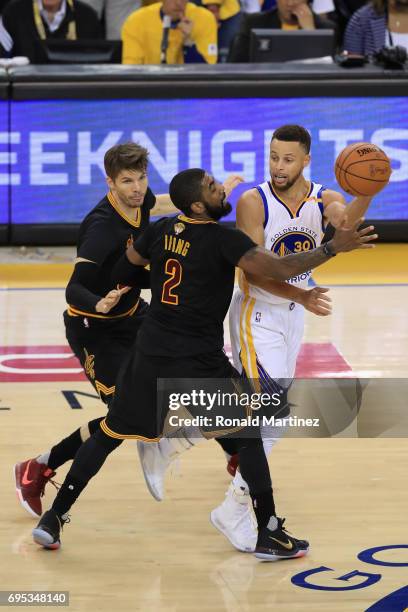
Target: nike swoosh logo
x=25, y=480
x=288, y=545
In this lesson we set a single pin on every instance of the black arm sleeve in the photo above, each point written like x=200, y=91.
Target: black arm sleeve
x=234, y=244
x=126, y=273
x=80, y=291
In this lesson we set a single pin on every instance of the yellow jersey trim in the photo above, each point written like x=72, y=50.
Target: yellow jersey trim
x=193, y=221
x=113, y=434
x=101, y=388
x=134, y=223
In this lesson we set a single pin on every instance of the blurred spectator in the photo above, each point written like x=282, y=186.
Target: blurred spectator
x=228, y=16
x=25, y=22
x=114, y=13
x=373, y=27
x=288, y=15
x=172, y=32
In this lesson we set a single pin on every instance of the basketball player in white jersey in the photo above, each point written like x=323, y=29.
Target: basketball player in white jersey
x=286, y=214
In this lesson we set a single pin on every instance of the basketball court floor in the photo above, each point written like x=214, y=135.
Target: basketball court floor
x=123, y=551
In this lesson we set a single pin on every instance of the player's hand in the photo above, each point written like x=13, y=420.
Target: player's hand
x=110, y=300
x=316, y=301
x=350, y=238
x=304, y=16
x=231, y=182
x=186, y=27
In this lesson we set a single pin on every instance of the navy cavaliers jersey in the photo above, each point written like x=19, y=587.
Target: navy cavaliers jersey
x=192, y=269
x=104, y=235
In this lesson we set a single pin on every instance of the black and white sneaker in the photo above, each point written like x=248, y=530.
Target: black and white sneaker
x=274, y=543
x=47, y=532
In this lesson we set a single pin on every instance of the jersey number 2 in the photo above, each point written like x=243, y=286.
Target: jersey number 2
x=174, y=270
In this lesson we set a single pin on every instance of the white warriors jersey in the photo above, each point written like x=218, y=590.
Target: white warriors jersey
x=287, y=233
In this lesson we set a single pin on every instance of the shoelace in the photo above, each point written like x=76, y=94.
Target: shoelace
x=57, y=485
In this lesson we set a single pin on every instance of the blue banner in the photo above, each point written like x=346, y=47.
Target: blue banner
x=4, y=163
x=57, y=146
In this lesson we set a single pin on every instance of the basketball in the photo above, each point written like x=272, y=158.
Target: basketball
x=362, y=169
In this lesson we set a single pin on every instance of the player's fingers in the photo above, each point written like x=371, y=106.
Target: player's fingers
x=369, y=238
x=123, y=290
x=112, y=296
x=366, y=230
x=323, y=311
x=357, y=223
x=324, y=299
x=324, y=306
x=367, y=246
x=321, y=295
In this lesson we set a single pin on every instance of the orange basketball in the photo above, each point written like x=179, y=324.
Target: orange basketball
x=362, y=168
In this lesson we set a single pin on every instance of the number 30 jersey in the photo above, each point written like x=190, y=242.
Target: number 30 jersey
x=287, y=233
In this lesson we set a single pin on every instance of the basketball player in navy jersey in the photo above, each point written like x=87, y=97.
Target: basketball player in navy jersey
x=102, y=320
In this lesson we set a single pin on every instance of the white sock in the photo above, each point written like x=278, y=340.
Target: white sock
x=271, y=436
x=184, y=439
x=239, y=483
x=43, y=459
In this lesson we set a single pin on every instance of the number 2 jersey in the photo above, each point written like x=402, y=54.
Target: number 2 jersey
x=192, y=270
x=287, y=233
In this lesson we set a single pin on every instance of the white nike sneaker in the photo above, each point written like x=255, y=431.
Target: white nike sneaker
x=155, y=458
x=235, y=520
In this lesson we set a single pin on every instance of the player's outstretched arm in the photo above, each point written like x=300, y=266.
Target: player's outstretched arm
x=164, y=206
x=260, y=261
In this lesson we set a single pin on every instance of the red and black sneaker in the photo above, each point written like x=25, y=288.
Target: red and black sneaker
x=232, y=464
x=31, y=478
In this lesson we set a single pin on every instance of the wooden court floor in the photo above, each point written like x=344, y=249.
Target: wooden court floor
x=123, y=551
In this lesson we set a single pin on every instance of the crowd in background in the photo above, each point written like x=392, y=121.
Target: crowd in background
x=197, y=31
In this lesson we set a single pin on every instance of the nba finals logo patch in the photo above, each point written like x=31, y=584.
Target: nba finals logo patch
x=293, y=242
x=129, y=241
x=178, y=228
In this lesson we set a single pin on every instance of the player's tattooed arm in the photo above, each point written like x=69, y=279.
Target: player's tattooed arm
x=260, y=261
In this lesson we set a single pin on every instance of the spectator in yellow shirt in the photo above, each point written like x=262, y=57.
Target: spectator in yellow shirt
x=190, y=35
x=228, y=16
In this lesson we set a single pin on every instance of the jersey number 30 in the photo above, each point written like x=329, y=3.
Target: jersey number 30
x=174, y=270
